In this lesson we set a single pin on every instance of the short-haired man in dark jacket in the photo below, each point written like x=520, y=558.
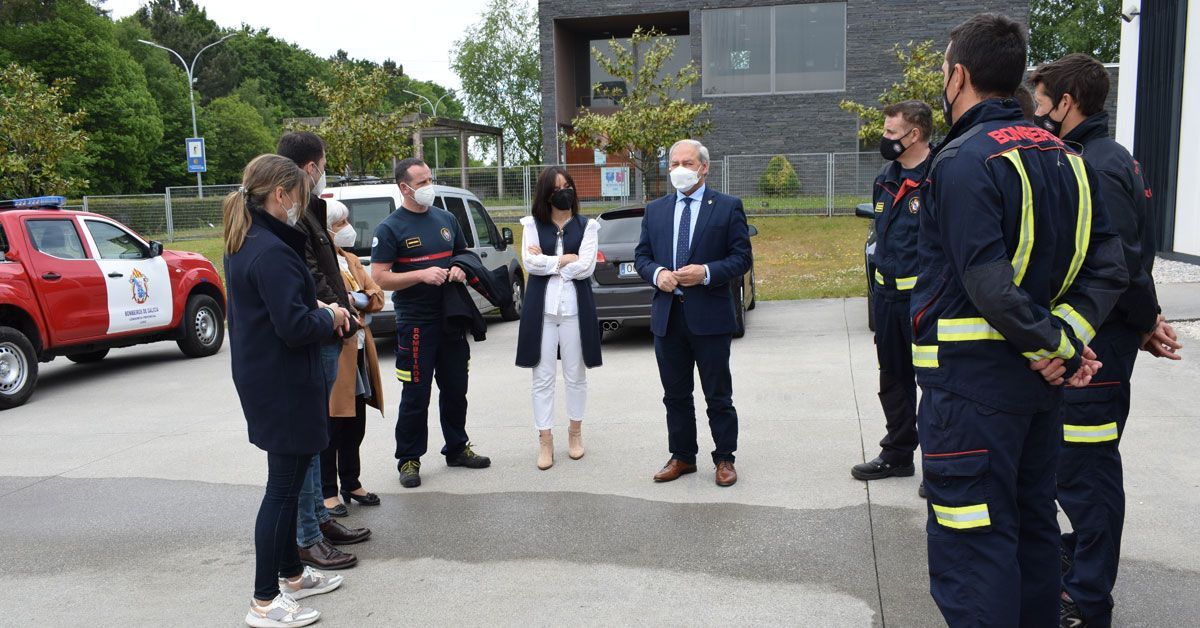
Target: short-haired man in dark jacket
x=315, y=529
x=1070, y=94
x=1015, y=250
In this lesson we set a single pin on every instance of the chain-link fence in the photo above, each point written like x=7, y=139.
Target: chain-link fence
x=824, y=184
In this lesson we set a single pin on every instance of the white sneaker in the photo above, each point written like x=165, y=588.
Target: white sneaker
x=282, y=612
x=312, y=582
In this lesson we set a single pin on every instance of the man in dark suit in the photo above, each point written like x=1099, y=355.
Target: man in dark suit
x=694, y=244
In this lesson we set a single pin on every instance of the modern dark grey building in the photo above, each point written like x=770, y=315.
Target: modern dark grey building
x=773, y=71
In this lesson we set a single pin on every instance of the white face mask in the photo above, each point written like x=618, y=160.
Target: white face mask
x=293, y=214
x=684, y=179
x=345, y=237
x=423, y=196
x=319, y=184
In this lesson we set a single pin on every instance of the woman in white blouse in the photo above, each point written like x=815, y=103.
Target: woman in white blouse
x=559, y=317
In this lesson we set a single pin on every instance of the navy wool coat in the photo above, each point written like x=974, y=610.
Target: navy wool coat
x=275, y=331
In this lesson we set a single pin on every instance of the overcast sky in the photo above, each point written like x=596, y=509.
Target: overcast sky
x=417, y=34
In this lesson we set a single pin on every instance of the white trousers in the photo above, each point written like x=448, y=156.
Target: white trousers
x=559, y=333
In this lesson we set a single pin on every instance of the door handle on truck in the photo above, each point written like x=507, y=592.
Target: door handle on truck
x=52, y=276
x=115, y=274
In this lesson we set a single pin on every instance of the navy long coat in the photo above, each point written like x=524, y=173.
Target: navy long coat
x=275, y=331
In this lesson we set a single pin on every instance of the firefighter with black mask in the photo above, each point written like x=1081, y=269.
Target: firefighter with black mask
x=1070, y=94
x=897, y=202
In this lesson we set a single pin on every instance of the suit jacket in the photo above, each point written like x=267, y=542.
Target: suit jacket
x=721, y=240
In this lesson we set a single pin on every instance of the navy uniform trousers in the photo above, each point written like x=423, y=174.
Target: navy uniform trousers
x=992, y=527
x=1090, y=485
x=426, y=352
x=897, y=379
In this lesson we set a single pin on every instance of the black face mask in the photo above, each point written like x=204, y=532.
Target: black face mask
x=1048, y=123
x=563, y=199
x=892, y=149
x=947, y=104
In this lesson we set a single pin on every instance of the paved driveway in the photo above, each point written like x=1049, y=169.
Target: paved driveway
x=129, y=489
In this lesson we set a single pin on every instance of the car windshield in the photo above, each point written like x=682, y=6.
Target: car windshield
x=365, y=215
x=625, y=230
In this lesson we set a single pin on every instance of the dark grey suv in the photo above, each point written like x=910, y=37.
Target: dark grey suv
x=622, y=297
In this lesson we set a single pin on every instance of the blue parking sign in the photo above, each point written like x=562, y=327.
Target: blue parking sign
x=195, y=154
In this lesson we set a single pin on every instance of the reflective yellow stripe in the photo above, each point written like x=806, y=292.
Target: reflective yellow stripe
x=1083, y=224
x=905, y=283
x=1020, y=261
x=878, y=277
x=962, y=517
x=925, y=356
x=1083, y=329
x=961, y=329
x=1065, y=350
x=404, y=376
x=1090, y=433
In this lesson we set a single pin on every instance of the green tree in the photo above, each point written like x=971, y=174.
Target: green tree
x=498, y=62
x=184, y=26
x=362, y=133
x=779, y=178
x=39, y=142
x=652, y=115
x=1060, y=27
x=921, y=79
x=234, y=134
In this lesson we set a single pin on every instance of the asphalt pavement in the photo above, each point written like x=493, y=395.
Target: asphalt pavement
x=130, y=490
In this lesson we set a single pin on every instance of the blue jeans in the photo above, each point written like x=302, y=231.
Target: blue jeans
x=311, y=512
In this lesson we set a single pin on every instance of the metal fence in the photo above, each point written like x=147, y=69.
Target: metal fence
x=824, y=184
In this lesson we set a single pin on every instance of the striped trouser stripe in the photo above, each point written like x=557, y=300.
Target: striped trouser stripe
x=1090, y=433
x=962, y=517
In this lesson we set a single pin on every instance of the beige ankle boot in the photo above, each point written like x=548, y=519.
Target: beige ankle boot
x=575, y=440
x=546, y=453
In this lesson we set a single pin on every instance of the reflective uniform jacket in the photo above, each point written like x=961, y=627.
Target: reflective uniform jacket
x=1017, y=261
x=897, y=202
x=1128, y=202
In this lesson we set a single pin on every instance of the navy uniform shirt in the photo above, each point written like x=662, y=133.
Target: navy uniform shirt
x=413, y=241
x=898, y=198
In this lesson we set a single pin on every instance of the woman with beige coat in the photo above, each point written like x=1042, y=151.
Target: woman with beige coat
x=358, y=382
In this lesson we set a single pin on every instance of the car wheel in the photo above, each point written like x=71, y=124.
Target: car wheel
x=513, y=312
x=753, y=292
x=18, y=368
x=90, y=356
x=739, y=312
x=203, y=327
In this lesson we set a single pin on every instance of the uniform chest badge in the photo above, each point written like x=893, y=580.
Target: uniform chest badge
x=445, y=234
x=914, y=204
x=412, y=243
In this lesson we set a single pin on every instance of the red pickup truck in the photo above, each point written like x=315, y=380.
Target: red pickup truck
x=77, y=284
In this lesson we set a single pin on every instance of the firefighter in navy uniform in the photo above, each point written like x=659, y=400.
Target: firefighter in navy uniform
x=897, y=201
x=1013, y=245
x=411, y=254
x=1070, y=96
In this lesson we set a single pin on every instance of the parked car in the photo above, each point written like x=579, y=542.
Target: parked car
x=622, y=296
x=370, y=204
x=864, y=210
x=78, y=284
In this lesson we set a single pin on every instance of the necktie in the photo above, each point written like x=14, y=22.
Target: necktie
x=682, y=246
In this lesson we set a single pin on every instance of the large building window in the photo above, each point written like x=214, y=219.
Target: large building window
x=610, y=84
x=774, y=50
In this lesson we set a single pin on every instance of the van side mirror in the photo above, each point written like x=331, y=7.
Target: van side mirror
x=507, y=234
x=864, y=211
x=156, y=248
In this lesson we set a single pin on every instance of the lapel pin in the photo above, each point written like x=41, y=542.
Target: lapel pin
x=710, y=201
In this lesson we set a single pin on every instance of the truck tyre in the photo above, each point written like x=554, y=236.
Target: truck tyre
x=202, y=330
x=513, y=311
x=18, y=368
x=91, y=356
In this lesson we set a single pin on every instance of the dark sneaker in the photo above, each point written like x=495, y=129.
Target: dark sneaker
x=1068, y=614
x=877, y=469
x=469, y=459
x=921, y=490
x=410, y=474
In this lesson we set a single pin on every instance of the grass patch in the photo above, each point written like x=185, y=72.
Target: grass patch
x=795, y=257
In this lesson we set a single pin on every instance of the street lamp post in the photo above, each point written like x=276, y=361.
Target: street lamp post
x=190, y=69
x=433, y=109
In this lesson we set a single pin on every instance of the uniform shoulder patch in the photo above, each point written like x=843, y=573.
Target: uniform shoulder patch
x=446, y=234
x=914, y=204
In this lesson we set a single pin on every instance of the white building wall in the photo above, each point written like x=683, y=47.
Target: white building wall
x=1127, y=85
x=1187, y=197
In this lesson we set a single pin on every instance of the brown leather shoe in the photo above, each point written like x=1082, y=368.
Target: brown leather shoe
x=322, y=555
x=726, y=476
x=339, y=534
x=673, y=470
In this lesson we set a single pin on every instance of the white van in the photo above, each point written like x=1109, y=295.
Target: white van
x=370, y=204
